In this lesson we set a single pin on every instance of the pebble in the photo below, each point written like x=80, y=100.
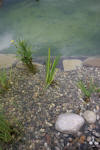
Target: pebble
x=90, y=116
x=98, y=117
x=89, y=138
x=32, y=146
x=96, y=143
x=91, y=143
x=99, y=122
x=97, y=108
x=48, y=123
x=70, y=139
x=68, y=144
x=42, y=130
x=92, y=138
x=65, y=135
x=57, y=148
x=96, y=134
x=46, y=145
x=79, y=133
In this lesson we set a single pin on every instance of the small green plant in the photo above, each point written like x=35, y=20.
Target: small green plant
x=5, y=79
x=0, y=148
x=5, y=130
x=97, y=90
x=8, y=133
x=24, y=53
x=87, y=89
x=50, y=69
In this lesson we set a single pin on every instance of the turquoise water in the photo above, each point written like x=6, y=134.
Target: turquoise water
x=68, y=27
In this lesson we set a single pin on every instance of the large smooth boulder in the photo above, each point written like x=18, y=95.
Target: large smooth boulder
x=90, y=116
x=69, y=123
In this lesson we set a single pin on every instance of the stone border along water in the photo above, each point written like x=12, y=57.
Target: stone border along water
x=65, y=63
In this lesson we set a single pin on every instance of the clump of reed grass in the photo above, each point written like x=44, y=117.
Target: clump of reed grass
x=5, y=130
x=24, y=53
x=50, y=69
x=8, y=132
x=5, y=79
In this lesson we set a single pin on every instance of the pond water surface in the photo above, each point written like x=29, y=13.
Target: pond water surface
x=68, y=27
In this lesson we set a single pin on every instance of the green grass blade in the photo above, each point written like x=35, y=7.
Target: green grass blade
x=50, y=69
x=53, y=69
x=48, y=66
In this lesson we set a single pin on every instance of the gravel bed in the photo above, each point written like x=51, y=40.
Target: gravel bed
x=37, y=110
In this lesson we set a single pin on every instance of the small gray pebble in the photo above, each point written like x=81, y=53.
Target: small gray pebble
x=96, y=143
x=79, y=133
x=65, y=135
x=96, y=134
x=57, y=148
x=98, y=117
x=89, y=138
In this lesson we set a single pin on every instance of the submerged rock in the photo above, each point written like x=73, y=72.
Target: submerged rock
x=69, y=122
x=90, y=116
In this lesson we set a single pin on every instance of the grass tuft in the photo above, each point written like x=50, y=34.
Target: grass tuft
x=9, y=132
x=5, y=130
x=50, y=69
x=88, y=88
x=5, y=80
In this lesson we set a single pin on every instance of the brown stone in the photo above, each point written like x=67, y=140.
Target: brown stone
x=82, y=139
x=93, y=62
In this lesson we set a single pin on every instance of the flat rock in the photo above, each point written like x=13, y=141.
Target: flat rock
x=20, y=65
x=69, y=123
x=71, y=64
x=90, y=116
x=7, y=60
x=93, y=62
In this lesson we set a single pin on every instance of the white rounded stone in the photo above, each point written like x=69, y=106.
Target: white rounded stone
x=91, y=143
x=96, y=143
x=90, y=116
x=69, y=123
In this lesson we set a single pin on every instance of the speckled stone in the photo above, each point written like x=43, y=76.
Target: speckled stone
x=69, y=122
x=90, y=116
x=71, y=64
